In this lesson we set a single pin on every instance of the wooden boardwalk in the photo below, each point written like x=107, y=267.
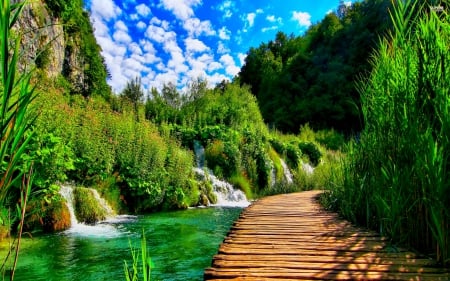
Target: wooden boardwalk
x=290, y=237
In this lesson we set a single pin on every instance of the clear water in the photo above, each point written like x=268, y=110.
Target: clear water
x=181, y=245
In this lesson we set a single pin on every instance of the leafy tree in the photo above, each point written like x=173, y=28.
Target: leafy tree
x=134, y=93
x=311, y=78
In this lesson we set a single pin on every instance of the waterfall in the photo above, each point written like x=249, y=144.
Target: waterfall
x=288, y=177
x=102, y=229
x=67, y=193
x=309, y=170
x=199, y=151
x=226, y=195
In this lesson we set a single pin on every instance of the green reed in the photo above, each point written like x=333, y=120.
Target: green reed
x=396, y=177
x=16, y=95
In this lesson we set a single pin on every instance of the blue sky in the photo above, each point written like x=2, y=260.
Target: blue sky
x=176, y=41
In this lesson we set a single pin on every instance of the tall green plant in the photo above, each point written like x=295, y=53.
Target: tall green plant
x=132, y=274
x=397, y=177
x=16, y=94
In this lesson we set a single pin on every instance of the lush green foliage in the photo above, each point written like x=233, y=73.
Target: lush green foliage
x=310, y=78
x=397, y=178
x=89, y=143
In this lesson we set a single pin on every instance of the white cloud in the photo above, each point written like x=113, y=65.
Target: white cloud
x=272, y=18
x=265, y=29
x=156, y=21
x=195, y=27
x=134, y=17
x=230, y=65
x=224, y=33
x=182, y=9
x=259, y=11
x=120, y=25
x=121, y=36
x=221, y=48
x=216, y=78
x=105, y=9
x=251, y=19
x=227, y=8
x=159, y=35
x=195, y=45
x=141, y=25
x=242, y=57
x=143, y=10
x=214, y=66
x=134, y=48
x=303, y=18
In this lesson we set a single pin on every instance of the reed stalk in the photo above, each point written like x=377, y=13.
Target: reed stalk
x=16, y=95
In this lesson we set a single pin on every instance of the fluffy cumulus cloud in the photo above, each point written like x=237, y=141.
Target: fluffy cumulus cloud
x=249, y=19
x=196, y=27
x=195, y=45
x=105, y=9
x=242, y=57
x=303, y=18
x=224, y=33
x=182, y=9
x=229, y=64
x=143, y=10
x=222, y=48
x=170, y=41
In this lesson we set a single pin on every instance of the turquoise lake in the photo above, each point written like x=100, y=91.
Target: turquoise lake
x=181, y=245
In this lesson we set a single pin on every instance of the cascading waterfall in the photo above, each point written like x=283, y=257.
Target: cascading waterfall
x=309, y=170
x=102, y=229
x=226, y=195
x=288, y=177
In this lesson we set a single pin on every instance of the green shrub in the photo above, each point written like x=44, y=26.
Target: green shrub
x=331, y=139
x=311, y=150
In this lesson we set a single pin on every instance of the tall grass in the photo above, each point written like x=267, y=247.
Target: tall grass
x=15, y=123
x=397, y=176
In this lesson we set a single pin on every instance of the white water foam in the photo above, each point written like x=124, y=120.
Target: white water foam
x=226, y=195
x=103, y=229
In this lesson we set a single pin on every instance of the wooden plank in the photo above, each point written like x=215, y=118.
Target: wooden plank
x=365, y=258
x=290, y=237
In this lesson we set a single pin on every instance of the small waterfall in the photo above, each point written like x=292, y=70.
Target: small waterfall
x=67, y=193
x=309, y=170
x=199, y=151
x=226, y=195
x=288, y=177
x=102, y=202
x=102, y=229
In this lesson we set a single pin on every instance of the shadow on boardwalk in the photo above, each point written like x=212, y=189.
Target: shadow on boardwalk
x=290, y=237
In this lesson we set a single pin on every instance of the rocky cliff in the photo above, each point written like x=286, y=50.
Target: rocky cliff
x=61, y=43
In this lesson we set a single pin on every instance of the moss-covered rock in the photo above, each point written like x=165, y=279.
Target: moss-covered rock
x=52, y=216
x=87, y=208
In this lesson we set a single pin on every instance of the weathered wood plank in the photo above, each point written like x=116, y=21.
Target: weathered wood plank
x=290, y=237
